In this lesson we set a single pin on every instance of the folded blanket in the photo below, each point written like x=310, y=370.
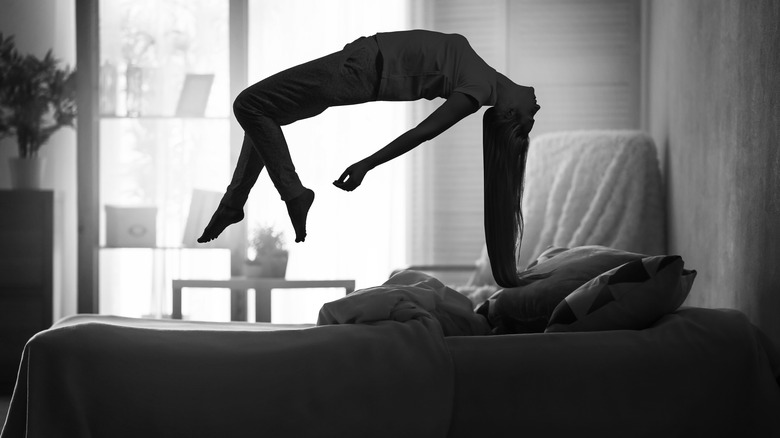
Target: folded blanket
x=408, y=295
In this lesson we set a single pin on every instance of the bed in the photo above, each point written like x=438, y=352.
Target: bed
x=597, y=346
x=407, y=358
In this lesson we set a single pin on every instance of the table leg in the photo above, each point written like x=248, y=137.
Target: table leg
x=176, y=310
x=238, y=303
x=262, y=304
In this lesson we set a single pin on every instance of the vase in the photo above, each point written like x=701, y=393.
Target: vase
x=267, y=265
x=26, y=173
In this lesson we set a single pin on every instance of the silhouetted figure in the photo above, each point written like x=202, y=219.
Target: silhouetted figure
x=395, y=66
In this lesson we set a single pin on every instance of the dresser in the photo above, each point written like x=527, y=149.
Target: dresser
x=26, y=270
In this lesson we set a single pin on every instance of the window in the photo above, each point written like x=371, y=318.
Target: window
x=151, y=157
x=358, y=235
x=582, y=57
x=446, y=197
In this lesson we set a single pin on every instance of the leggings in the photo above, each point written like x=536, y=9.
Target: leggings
x=347, y=77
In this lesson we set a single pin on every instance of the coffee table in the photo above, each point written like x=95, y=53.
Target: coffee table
x=262, y=287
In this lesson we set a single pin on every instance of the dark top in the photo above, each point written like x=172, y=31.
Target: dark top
x=421, y=64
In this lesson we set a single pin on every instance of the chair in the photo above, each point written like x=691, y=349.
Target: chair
x=583, y=188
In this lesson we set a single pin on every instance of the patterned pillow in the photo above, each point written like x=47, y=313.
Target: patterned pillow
x=527, y=309
x=630, y=297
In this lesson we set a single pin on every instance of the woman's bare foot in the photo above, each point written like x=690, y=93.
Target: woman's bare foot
x=298, y=209
x=223, y=217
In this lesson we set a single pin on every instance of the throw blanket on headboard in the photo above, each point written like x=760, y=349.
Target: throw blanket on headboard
x=592, y=188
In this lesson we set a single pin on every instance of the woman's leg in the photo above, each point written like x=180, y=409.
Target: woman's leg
x=248, y=168
x=231, y=207
x=266, y=134
x=342, y=78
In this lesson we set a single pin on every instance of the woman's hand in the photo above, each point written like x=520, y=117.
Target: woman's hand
x=450, y=112
x=352, y=177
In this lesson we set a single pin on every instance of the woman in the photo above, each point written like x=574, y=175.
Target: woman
x=395, y=66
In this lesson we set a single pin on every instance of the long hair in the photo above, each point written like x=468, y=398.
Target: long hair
x=505, y=149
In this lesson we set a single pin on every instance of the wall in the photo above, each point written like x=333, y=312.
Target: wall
x=712, y=106
x=38, y=26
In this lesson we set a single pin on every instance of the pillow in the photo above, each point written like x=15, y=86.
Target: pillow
x=527, y=309
x=549, y=253
x=630, y=297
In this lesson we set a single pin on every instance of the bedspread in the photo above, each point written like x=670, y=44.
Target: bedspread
x=381, y=365
x=102, y=380
x=93, y=376
x=695, y=373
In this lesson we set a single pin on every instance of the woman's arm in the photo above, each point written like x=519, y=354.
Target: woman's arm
x=449, y=113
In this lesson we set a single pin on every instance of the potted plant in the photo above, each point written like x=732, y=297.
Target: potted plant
x=267, y=253
x=37, y=98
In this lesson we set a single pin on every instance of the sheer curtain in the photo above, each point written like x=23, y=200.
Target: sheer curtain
x=581, y=56
x=359, y=235
x=447, y=188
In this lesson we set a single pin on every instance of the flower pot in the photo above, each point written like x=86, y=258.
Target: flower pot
x=267, y=265
x=26, y=173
